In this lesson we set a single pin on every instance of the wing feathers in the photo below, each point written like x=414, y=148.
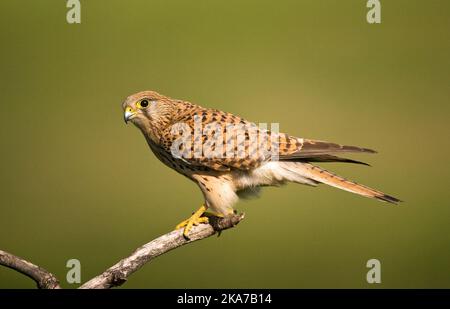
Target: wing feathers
x=307, y=150
x=310, y=146
x=323, y=158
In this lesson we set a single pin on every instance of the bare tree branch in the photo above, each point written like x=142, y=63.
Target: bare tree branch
x=119, y=273
x=43, y=278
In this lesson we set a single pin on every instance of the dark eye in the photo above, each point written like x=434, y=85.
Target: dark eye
x=144, y=103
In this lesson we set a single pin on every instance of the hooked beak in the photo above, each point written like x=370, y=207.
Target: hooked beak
x=129, y=114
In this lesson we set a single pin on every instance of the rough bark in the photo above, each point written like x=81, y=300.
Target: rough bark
x=119, y=273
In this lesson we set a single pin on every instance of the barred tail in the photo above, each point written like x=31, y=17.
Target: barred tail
x=323, y=176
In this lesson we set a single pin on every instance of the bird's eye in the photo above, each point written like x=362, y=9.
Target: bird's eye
x=142, y=103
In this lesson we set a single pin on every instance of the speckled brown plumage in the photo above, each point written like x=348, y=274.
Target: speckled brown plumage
x=221, y=177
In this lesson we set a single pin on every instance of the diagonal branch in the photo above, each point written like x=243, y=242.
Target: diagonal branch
x=119, y=273
x=43, y=278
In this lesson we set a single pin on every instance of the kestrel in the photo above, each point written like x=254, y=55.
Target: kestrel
x=229, y=157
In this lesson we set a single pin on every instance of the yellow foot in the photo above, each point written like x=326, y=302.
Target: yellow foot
x=210, y=213
x=195, y=219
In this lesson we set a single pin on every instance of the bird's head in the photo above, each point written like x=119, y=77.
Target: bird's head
x=147, y=109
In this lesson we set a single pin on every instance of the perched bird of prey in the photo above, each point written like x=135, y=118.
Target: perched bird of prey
x=229, y=157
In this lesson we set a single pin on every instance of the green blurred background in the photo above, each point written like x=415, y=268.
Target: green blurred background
x=77, y=183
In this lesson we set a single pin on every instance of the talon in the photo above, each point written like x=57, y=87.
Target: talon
x=200, y=220
x=181, y=224
x=194, y=220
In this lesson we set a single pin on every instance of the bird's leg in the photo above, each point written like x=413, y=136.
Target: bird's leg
x=195, y=219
